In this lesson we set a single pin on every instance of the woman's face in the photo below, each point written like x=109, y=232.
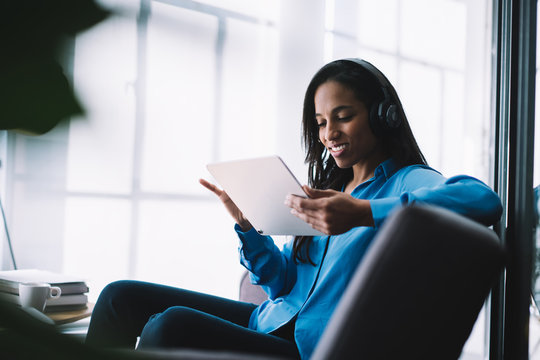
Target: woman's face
x=344, y=126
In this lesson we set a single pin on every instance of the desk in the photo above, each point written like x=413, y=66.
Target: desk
x=66, y=317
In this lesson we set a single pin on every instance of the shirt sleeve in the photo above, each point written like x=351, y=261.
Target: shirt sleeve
x=463, y=194
x=269, y=267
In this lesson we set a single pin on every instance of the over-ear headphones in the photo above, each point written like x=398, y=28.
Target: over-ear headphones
x=384, y=116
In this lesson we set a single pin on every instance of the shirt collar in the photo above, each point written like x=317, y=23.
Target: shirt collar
x=387, y=168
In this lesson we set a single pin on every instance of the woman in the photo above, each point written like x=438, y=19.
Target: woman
x=363, y=163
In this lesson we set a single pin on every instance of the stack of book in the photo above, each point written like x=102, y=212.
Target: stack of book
x=73, y=295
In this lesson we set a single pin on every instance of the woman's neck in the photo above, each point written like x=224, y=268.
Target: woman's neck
x=364, y=171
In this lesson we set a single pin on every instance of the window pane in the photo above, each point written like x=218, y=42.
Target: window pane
x=180, y=92
x=96, y=240
x=101, y=143
x=264, y=9
x=455, y=142
x=188, y=244
x=420, y=89
x=345, y=16
x=36, y=223
x=342, y=48
x=249, y=89
x=377, y=24
x=434, y=31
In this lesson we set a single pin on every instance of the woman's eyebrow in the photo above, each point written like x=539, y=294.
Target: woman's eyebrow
x=337, y=109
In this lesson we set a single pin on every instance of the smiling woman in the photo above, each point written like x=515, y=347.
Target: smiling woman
x=359, y=125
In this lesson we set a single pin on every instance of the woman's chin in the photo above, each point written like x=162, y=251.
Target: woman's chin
x=342, y=164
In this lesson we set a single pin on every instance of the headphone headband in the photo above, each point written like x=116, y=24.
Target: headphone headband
x=382, y=80
x=384, y=116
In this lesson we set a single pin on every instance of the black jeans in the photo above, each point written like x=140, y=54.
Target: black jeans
x=168, y=317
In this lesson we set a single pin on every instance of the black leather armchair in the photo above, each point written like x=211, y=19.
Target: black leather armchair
x=419, y=290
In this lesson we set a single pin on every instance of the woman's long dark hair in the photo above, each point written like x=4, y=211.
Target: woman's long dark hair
x=398, y=143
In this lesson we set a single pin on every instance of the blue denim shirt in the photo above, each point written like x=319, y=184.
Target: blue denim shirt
x=310, y=293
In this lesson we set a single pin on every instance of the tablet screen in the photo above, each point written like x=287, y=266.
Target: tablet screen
x=258, y=187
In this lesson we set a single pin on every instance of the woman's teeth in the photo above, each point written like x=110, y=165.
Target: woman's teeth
x=338, y=148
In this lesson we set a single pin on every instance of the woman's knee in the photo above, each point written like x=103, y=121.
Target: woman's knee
x=174, y=319
x=118, y=290
x=115, y=296
x=172, y=328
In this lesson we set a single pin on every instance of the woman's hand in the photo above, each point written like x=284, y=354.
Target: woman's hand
x=329, y=211
x=237, y=215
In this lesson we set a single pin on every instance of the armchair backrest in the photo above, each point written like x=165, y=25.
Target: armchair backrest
x=249, y=292
x=418, y=291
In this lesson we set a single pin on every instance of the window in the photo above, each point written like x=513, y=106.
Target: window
x=171, y=85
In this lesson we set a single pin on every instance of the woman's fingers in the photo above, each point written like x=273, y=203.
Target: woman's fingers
x=308, y=210
x=312, y=219
x=330, y=211
x=213, y=188
x=229, y=205
x=316, y=193
x=309, y=216
x=207, y=185
x=301, y=204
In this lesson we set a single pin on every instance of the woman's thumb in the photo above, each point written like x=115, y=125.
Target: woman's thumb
x=316, y=193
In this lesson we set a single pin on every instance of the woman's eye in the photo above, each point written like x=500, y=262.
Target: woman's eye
x=345, y=118
x=321, y=124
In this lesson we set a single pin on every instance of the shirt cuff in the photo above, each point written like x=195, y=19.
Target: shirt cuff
x=251, y=241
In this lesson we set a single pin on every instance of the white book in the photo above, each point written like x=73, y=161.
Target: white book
x=78, y=299
x=10, y=280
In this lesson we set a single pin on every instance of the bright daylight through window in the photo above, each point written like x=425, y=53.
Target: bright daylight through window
x=170, y=86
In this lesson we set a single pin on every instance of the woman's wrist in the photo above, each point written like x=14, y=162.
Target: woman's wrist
x=245, y=225
x=364, y=209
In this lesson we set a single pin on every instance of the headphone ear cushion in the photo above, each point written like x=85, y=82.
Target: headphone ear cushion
x=391, y=117
x=384, y=117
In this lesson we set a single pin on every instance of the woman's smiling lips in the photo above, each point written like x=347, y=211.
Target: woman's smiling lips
x=337, y=150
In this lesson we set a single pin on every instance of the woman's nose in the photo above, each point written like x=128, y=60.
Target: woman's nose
x=332, y=133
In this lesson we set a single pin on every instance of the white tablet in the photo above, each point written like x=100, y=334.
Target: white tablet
x=258, y=187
